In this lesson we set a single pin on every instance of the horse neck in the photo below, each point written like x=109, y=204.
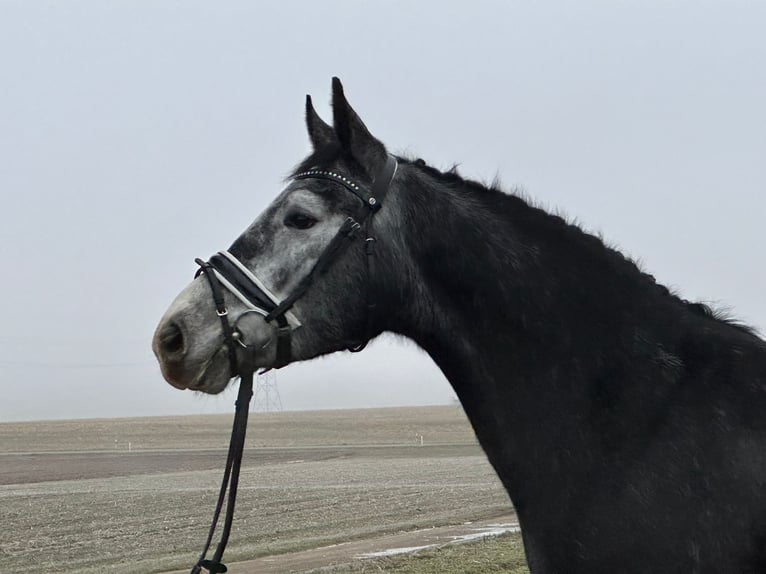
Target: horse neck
x=522, y=312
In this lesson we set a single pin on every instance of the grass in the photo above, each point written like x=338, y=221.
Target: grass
x=492, y=554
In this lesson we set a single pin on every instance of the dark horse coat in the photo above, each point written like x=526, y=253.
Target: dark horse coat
x=626, y=424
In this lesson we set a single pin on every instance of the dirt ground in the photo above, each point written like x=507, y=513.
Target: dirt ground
x=70, y=504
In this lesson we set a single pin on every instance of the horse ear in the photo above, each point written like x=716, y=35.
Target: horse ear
x=353, y=135
x=320, y=133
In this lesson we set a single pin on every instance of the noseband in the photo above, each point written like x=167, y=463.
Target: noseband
x=224, y=271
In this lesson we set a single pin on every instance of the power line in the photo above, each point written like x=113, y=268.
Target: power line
x=267, y=397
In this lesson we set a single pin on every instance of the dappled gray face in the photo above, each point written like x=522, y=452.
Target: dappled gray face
x=283, y=244
x=279, y=248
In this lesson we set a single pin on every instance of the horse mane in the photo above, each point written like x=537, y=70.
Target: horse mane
x=498, y=198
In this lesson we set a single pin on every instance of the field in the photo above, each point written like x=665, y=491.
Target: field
x=136, y=495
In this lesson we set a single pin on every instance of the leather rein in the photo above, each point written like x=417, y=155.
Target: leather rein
x=224, y=272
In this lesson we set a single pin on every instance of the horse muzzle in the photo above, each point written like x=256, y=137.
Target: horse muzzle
x=192, y=351
x=187, y=361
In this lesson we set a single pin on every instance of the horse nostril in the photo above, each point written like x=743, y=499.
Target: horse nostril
x=171, y=339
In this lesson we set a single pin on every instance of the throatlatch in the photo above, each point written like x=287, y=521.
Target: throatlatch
x=224, y=271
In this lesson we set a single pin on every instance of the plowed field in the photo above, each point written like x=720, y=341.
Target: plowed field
x=136, y=495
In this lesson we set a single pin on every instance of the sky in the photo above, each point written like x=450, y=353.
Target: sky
x=135, y=136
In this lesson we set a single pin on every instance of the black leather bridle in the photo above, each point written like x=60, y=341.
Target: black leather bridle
x=224, y=272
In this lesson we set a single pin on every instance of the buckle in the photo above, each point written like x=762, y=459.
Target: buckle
x=353, y=227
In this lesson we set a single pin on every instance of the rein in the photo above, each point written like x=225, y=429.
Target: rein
x=224, y=271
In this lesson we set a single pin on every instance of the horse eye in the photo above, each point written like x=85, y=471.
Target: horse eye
x=300, y=221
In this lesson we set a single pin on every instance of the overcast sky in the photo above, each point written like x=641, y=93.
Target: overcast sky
x=135, y=136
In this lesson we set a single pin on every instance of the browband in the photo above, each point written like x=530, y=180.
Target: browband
x=373, y=197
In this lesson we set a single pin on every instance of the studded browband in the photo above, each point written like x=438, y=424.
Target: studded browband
x=373, y=197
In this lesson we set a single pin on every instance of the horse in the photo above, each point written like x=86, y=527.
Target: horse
x=626, y=423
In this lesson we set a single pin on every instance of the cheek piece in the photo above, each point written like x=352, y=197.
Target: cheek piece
x=224, y=271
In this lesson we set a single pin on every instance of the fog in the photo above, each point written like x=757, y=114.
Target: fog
x=137, y=136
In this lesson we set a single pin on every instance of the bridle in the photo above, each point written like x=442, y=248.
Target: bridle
x=224, y=271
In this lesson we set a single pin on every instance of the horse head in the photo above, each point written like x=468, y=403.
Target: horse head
x=297, y=283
